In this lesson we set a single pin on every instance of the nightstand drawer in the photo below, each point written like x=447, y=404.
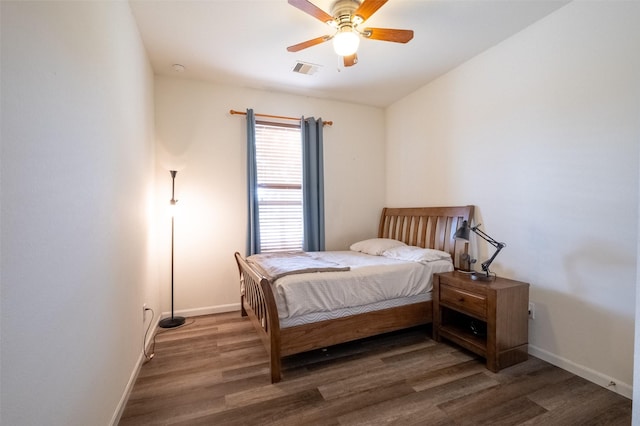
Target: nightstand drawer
x=472, y=303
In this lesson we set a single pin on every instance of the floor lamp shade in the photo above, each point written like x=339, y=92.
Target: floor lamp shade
x=172, y=321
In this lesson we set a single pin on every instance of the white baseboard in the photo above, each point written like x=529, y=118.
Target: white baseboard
x=132, y=379
x=207, y=310
x=596, y=377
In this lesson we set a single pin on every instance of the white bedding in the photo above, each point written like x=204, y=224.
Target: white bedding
x=371, y=279
x=277, y=265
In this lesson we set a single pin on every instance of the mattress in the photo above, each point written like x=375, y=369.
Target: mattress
x=372, y=283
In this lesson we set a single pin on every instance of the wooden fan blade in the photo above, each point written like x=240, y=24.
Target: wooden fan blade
x=350, y=60
x=311, y=9
x=368, y=8
x=388, y=34
x=308, y=43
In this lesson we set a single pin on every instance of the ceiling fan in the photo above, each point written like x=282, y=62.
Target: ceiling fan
x=346, y=17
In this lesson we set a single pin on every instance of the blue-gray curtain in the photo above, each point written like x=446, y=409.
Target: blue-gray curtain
x=253, y=227
x=312, y=184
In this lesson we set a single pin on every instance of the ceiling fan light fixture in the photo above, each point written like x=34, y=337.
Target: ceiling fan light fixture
x=346, y=17
x=346, y=43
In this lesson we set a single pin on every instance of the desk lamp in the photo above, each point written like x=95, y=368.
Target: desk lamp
x=463, y=234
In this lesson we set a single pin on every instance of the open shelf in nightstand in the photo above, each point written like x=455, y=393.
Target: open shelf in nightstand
x=459, y=328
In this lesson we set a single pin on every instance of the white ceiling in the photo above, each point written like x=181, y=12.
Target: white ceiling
x=243, y=43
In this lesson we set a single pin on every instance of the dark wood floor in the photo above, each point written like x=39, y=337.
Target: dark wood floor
x=214, y=371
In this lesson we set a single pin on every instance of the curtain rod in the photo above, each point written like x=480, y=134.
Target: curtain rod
x=233, y=112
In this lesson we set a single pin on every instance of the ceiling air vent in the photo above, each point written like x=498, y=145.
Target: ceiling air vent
x=305, y=68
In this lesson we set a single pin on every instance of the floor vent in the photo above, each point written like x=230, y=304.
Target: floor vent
x=305, y=68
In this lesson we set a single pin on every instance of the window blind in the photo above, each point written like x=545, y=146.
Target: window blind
x=279, y=178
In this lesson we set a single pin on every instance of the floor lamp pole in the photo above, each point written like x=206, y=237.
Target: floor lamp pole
x=173, y=321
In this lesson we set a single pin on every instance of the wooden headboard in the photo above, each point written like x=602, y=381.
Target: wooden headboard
x=428, y=227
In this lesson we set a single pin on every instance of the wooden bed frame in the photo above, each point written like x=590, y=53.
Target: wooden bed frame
x=430, y=227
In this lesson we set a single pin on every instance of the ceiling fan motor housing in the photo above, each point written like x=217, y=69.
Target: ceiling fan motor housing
x=342, y=11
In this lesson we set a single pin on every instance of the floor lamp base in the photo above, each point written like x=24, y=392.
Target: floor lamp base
x=171, y=322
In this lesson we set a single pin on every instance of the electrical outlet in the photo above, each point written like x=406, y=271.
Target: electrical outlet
x=532, y=310
x=144, y=312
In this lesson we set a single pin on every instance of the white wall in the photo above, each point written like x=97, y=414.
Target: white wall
x=197, y=136
x=541, y=133
x=77, y=200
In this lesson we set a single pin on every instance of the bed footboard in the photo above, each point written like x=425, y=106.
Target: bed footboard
x=258, y=303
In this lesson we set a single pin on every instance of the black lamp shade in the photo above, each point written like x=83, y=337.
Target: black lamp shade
x=463, y=232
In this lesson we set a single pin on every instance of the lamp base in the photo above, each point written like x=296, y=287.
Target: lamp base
x=479, y=276
x=171, y=322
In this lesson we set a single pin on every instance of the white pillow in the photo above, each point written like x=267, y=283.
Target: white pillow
x=416, y=254
x=376, y=246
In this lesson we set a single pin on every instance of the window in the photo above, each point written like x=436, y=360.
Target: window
x=285, y=196
x=279, y=179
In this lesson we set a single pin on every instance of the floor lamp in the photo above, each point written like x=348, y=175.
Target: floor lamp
x=173, y=321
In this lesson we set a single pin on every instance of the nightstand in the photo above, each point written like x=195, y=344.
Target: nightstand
x=487, y=318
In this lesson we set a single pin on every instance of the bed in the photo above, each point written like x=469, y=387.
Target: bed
x=425, y=227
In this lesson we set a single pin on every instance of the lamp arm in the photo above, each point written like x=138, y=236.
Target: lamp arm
x=498, y=245
x=485, y=264
x=485, y=237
